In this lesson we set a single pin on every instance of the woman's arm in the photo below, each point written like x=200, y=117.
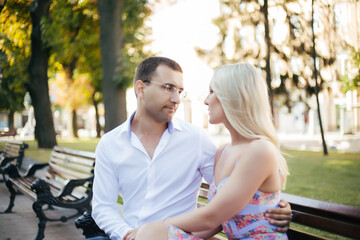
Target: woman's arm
x=252, y=170
x=207, y=233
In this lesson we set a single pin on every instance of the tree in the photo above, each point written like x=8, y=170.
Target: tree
x=316, y=80
x=351, y=79
x=38, y=85
x=12, y=90
x=268, y=49
x=122, y=37
x=14, y=58
x=72, y=35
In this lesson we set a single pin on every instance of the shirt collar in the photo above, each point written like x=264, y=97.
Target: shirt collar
x=172, y=125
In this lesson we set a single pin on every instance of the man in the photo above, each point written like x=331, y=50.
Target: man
x=153, y=161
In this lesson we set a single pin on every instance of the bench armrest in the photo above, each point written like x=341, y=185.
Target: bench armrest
x=12, y=171
x=74, y=183
x=6, y=160
x=30, y=172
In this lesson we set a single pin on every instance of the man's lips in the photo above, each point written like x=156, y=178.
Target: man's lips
x=171, y=108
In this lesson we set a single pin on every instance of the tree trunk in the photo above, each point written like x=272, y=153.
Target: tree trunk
x=268, y=47
x=98, y=126
x=74, y=123
x=111, y=42
x=2, y=6
x=69, y=73
x=11, y=119
x=38, y=86
x=316, y=80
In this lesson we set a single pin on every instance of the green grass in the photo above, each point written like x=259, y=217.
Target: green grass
x=43, y=155
x=333, y=178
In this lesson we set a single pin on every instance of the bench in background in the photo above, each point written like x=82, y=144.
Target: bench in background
x=10, y=133
x=13, y=151
x=66, y=184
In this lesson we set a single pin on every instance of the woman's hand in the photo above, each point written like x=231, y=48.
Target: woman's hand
x=280, y=216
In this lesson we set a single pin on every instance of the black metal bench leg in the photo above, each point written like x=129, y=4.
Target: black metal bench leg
x=37, y=207
x=12, y=196
x=3, y=175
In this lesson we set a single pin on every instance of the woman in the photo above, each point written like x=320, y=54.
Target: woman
x=248, y=173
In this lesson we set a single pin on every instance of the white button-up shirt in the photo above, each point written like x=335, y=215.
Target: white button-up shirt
x=152, y=189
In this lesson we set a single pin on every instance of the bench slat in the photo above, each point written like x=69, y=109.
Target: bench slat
x=297, y=234
x=71, y=165
x=66, y=172
x=74, y=159
x=24, y=187
x=327, y=224
x=325, y=208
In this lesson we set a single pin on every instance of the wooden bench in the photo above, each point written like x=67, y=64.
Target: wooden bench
x=341, y=220
x=10, y=133
x=66, y=183
x=13, y=151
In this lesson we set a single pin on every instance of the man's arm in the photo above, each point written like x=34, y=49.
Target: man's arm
x=281, y=216
x=207, y=157
x=105, y=194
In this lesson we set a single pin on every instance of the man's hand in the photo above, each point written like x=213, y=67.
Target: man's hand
x=281, y=216
x=130, y=235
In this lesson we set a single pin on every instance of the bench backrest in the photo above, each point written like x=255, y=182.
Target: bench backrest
x=15, y=149
x=11, y=132
x=68, y=164
x=331, y=217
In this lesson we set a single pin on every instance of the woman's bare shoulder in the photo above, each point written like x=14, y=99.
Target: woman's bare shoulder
x=262, y=150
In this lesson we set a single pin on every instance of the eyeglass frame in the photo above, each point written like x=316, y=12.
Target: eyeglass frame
x=169, y=88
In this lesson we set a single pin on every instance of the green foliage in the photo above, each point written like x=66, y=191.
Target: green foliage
x=241, y=29
x=14, y=54
x=351, y=79
x=72, y=34
x=134, y=15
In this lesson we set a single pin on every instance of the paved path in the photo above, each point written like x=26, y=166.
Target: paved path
x=22, y=224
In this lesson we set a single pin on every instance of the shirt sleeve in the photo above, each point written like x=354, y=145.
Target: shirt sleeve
x=207, y=155
x=105, y=194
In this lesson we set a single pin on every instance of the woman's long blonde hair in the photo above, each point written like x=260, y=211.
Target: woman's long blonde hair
x=243, y=94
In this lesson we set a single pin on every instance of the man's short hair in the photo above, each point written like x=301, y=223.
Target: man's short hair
x=147, y=67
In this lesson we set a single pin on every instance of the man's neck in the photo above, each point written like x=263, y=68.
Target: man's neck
x=145, y=125
x=148, y=131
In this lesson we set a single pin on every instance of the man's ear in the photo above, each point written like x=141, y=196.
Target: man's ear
x=139, y=88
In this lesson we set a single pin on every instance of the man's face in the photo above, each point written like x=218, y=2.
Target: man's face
x=158, y=103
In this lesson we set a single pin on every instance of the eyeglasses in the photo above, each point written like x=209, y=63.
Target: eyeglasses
x=169, y=88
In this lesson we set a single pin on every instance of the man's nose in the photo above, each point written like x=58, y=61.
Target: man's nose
x=175, y=97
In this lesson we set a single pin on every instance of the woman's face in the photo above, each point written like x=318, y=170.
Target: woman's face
x=216, y=112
